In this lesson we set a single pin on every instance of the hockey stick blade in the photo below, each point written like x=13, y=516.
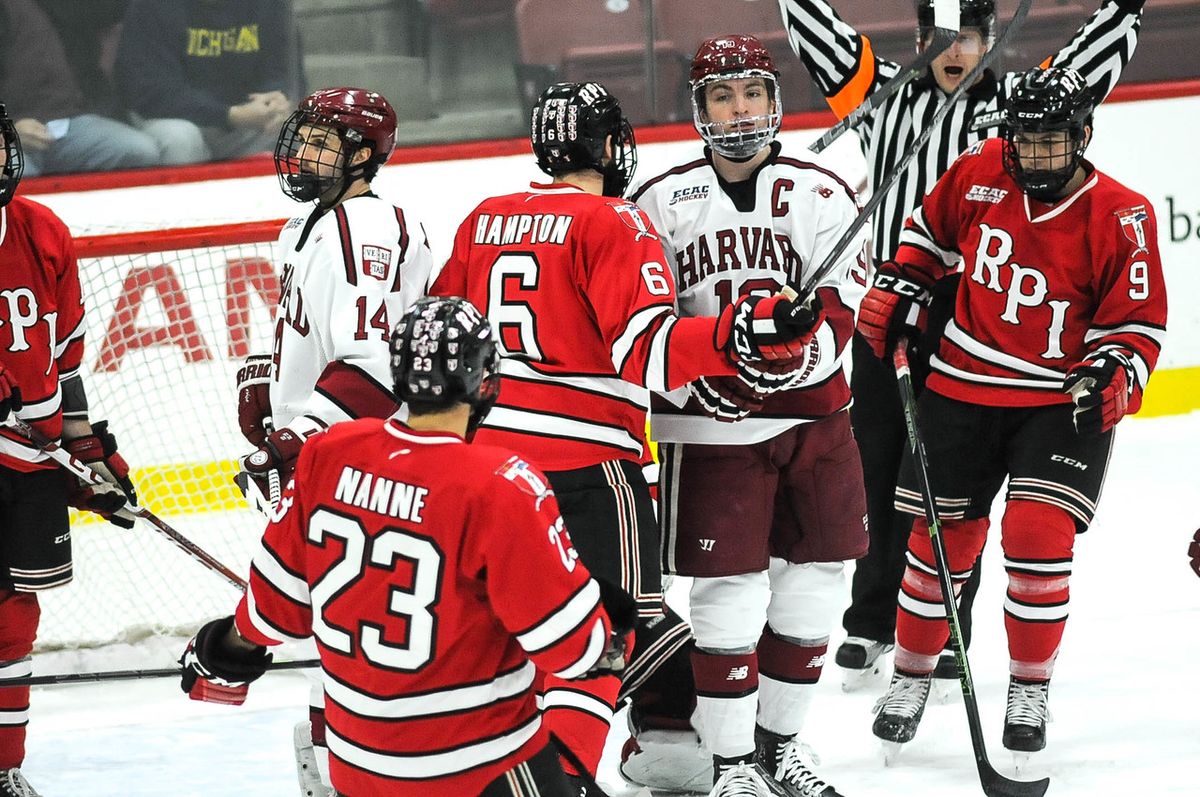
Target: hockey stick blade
x=64, y=678
x=996, y=785
x=881, y=190
x=52, y=449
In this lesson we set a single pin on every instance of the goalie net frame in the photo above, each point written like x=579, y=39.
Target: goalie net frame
x=169, y=316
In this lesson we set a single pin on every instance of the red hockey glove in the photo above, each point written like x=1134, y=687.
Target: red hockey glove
x=254, y=401
x=10, y=394
x=1101, y=386
x=768, y=328
x=215, y=672
x=622, y=617
x=280, y=448
x=726, y=398
x=98, y=451
x=892, y=308
x=1194, y=552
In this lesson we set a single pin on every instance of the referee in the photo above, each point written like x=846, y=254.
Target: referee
x=842, y=63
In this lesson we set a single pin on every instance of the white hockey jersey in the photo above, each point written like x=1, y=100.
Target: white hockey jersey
x=348, y=275
x=727, y=240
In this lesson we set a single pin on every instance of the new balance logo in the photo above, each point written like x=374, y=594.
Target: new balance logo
x=984, y=193
x=815, y=663
x=707, y=545
x=738, y=673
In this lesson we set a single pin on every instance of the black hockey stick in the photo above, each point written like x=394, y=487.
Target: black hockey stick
x=132, y=675
x=943, y=37
x=806, y=289
x=994, y=784
x=63, y=457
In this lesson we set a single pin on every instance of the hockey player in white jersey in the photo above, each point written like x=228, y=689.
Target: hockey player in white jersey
x=761, y=495
x=350, y=269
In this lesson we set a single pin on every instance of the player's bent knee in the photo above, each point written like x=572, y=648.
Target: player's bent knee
x=1034, y=530
x=728, y=612
x=805, y=598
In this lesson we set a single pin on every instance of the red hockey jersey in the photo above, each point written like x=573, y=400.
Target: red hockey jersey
x=41, y=322
x=436, y=577
x=1042, y=285
x=582, y=297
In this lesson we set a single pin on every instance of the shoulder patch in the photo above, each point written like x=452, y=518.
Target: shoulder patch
x=1133, y=221
x=634, y=218
x=376, y=261
x=975, y=148
x=519, y=472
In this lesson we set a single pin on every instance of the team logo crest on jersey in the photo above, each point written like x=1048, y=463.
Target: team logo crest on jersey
x=985, y=193
x=692, y=192
x=377, y=261
x=1133, y=222
x=517, y=471
x=975, y=148
x=633, y=218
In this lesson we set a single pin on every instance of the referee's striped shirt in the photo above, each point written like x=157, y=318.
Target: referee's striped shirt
x=846, y=69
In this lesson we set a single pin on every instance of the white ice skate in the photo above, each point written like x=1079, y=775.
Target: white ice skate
x=861, y=660
x=666, y=760
x=307, y=771
x=13, y=784
x=899, y=712
x=944, y=687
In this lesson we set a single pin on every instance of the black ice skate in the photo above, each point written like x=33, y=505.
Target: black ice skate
x=1025, y=719
x=860, y=659
x=792, y=763
x=744, y=779
x=945, y=679
x=898, y=713
x=13, y=784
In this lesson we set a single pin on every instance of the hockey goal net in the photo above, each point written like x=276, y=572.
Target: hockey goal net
x=170, y=316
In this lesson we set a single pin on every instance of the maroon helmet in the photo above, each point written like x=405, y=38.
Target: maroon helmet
x=734, y=57
x=360, y=117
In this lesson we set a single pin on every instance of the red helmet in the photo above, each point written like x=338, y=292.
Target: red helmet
x=734, y=53
x=356, y=110
x=735, y=57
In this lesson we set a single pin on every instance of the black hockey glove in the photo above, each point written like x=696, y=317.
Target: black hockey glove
x=10, y=394
x=111, y=500
x=767, y=328
x=214, y=672
x=622, y=616
x=1101, y=387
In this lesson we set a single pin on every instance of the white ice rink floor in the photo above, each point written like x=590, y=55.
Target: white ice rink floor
x=1125, y=696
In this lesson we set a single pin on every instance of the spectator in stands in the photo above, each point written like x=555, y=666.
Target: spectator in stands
x=220, y=65
x=63, y=127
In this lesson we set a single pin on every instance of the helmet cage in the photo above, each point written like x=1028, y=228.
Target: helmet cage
x=1046, y=101
x=14, y=160
x=742, y=141
x=569, y=126
x=316, y=176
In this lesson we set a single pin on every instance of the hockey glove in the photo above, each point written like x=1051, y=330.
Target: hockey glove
x=767, y=328
x=10, y=394
x=214, y=671
x=1194, y=552
x=111, y=500
x=893, y=307
x=280, y=448
x=1101, y=387
x=726, y=398
x=254, y=401
x=622, y=616
x=775, y=375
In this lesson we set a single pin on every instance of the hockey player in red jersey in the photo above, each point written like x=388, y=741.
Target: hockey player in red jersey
x=437, y=578
x=575, y=281
x=761, y=496
x=1059, y=320
x=41, y=347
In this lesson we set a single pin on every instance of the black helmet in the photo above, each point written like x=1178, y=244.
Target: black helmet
x=443, y=353
x=1046, y=100
x=971, y=14
x=571, y=122
x=14, y=162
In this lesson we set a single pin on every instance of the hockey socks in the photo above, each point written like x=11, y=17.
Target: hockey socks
x=579, y=712
x=19, y=616
x=788, y=674
x=726, y=701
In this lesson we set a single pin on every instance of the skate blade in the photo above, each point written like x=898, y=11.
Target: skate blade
x=859, y=680
x=890, y=751
x=944, y=690
x=1021, y=761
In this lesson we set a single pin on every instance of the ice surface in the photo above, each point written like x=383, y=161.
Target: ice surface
x=1124, y=698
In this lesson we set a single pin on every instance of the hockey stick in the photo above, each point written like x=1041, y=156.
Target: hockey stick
x=945, y=12
x=132, y=675
x=63, y=457
x=805, y=291
x=994, y=784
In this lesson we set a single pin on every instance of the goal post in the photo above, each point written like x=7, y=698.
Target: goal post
x=170, y=315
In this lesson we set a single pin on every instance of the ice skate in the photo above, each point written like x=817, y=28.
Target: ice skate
x=746, y=779
x=13, y=784
x=861, y=660
x=898, y=713
x=944, y=686
x=666, y=760
x=311, y=784
x=792, y=763
x=1025, y=719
